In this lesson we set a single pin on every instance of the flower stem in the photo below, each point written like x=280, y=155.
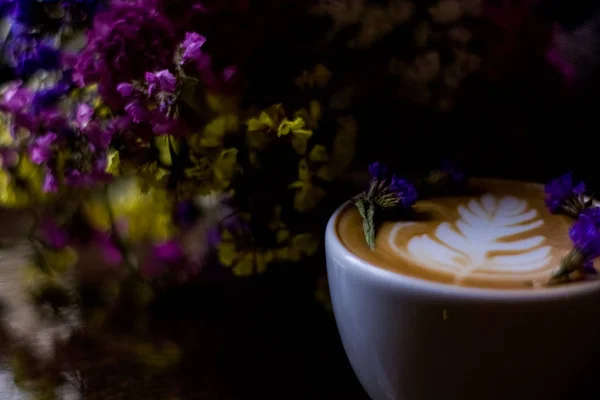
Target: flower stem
x=367, y=212
x=573, y=262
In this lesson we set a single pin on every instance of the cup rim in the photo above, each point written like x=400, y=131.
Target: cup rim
x=404, y=282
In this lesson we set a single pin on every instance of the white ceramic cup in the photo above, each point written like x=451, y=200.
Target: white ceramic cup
x=411, y=339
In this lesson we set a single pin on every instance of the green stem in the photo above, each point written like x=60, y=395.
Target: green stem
x=572, y=262
x=366, y=210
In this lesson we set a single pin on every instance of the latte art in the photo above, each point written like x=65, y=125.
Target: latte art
x=485, y=226
x=500, y=235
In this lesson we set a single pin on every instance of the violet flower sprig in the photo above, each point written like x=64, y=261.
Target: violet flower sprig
x=585, y=235
x=383, y=193
x=565, y=196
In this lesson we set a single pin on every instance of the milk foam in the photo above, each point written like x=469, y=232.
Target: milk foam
x=479, y=241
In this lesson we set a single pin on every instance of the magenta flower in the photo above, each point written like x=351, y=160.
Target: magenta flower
x=137, y=111
x=83, y=115
x=191, y=47
x=163, y=80
x=126, y=41
x=125, y=89
x=98, y=137
x=16, y=98
x=41, y=150
x=95, y=175
x=50, y=183
x=110, y=251
x=164, y=255
x=53, y=235
x=169, y=252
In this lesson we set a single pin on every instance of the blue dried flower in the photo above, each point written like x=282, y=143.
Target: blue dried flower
x=404, y=191
x=31, y=56
x=45, y=98
x=378, y=171
x=585, y=235
x=563, y=195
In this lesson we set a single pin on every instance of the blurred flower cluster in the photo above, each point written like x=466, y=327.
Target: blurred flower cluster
x=162, y=135
x=149, y=139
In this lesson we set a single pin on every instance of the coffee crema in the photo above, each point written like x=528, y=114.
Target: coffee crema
x=497, y=235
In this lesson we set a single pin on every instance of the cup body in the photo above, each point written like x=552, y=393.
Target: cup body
x=410, y=339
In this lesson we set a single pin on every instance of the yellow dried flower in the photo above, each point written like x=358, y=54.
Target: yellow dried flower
x=307, y=195
x=312, y=115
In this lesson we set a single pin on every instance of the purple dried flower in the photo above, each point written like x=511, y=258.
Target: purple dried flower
x=191, y=47
x=53, y=235
x=41, y=150
x=50, y=183
x=563, y=195
x=30, y=55
x=49, y=97
x=125, y=89
x=383, y=194
x=137, y=111
x=110, y=251
x=126, y=41
x=15, y=98
x=83, y=115
x=164, y=255
x=378, y=171
x=585, y=234
x=163, y=80
x=169, y=252
x=95, y=175
x=98, y=137
x=404, y=190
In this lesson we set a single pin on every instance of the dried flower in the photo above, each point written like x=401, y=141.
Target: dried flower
x=191, y=47
x=563, y=195
x=585, y=235
x=41, y=150
x=162, y=80
x=383, y=193
x=126, y=41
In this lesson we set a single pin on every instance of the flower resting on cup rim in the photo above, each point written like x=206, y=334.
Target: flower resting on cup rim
x=384, y=193
x=565, y=196
x=585, y=235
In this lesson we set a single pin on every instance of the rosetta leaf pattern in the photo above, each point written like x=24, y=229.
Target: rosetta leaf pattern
x=484, y=227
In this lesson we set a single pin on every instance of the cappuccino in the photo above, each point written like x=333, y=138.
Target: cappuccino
x=499, y=234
